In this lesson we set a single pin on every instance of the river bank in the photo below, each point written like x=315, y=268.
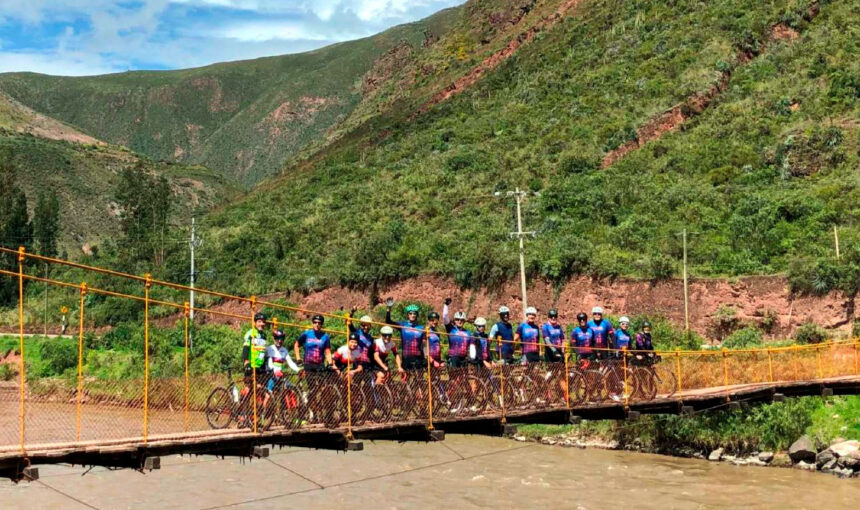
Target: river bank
x=811, y=434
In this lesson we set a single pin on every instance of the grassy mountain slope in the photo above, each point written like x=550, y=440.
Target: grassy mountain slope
x=761, y=175
x=244, y=119
x=49, y=155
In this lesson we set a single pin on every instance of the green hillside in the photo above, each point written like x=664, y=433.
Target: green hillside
x=761, y=174
x=50, y=156
x=244, y=119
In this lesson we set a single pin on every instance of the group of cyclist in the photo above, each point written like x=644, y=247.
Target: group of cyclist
x=594, y=339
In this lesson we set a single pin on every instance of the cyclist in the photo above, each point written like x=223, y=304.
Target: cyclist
x=621, y=338
x=601, y=331
x=382, y=347
x=458, y=337
x=317, y=346
x=502, y=333
x=643, y=344
x=479, y=348
x=365, y=339
x=553, y=336
x=254, y=349
x=528, y=334
x=411, y=337
x=276, y=356
x=581, y=338
x=434, y=341
x=346, y=357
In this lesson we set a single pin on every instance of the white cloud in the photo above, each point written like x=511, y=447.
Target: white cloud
x=258, y=31
x=62, y=65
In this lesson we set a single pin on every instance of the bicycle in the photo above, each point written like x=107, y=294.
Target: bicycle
x=375, y=400
x=650, y=378
x=325, y=401
x=227, y=404
x=288, y=405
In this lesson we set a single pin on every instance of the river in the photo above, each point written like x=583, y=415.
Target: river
x=461, y=472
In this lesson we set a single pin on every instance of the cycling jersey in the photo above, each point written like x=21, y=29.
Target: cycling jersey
x=254, y=347
x=411, y=337
x=315, y=344
x=582, y=338
x=553, y=335
x=365, y=346
x=621, y=339
x=482, y=348
x=276, y=358
x=434, y=341
x=382, y=348
x=529, y=336
x=643, y=342
x=600, y=333
x=458, y=341
x=344, y=357
x=503, y=334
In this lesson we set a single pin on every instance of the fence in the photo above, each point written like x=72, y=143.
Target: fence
x=94, y=405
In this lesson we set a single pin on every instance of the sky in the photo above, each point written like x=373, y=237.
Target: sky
x=85, y=37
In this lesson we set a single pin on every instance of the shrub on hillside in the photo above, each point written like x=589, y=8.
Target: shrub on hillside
x=743, y=338
x=810, y=333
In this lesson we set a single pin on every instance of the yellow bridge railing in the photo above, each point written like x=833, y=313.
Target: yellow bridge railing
x=92, y=404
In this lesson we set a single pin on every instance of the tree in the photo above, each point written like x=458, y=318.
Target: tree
x=144, y=202
x=46, y=223
x=15, y=228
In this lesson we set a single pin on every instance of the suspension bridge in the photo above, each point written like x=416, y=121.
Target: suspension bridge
x=93, y=417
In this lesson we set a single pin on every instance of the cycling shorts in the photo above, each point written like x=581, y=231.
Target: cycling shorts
x=414, y=362
x=552, y=357
x=456, y=361
x=532, y=357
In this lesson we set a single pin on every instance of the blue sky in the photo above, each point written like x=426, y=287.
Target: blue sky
x=81, y=37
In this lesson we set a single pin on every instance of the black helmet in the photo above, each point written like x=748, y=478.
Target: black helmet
x=552, y=313
x=259, y=316
x=432, y=315
x=581, y=317
x=353, y=336
x=278, y=334
x=318, y=318
x=646, y=324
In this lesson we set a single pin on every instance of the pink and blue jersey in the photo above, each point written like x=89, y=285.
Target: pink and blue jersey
x=458, y=342
x=434, y=343
x=529, y=336
x=601, y=333
x=621, y=339
x=582, y=339
x=553, y=335
x=315, y=344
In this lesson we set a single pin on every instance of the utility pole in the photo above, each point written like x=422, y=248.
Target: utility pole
x=836, y=240
x=194, y=243
x=46, y=299
x=686, y=292
x=519, y=234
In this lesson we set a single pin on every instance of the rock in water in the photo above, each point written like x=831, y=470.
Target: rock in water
x=781, y=460
x=716, y=454
x=850, y=461
x=824, y=458
x=806, y=466
x=802, y=450
x=845, y=448
x=765, y=457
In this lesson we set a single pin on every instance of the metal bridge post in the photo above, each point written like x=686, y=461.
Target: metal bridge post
x=678, y=369
x=22, y=378
x=566, y=374
x=253, y=366
x=146, y=287
x=626, y=382
x=429, y=377
x=726, y=372
x=770, y=364
x=348, y=384
x=818, y=361
x=83, y=292
x=856, y=361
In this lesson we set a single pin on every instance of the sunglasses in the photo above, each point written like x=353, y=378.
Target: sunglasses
x=317, y=322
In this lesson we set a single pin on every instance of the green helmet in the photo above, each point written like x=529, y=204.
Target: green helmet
x=412, y=308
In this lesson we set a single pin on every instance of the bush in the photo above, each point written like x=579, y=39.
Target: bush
x=59, y=355
x=7, y=372
x=810, y=333
x=724, y=322
x=743, y=338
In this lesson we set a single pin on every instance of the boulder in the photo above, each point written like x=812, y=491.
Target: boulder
x=850, y=461
x=781, y=460
x=716, y=455
x=765, y=457
x=802, y=450
x=824, y=457
x=829, y=465
x=806, y=466
x=845, y=448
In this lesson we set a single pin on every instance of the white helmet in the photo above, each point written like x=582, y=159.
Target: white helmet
x=387, y=330
x=597, y=309
x=480, y=321
x=460, y=316
x=365, y=319
x=624, y=320
x=531, y=311
x=504, y=309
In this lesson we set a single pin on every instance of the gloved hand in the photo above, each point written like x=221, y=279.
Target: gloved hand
x=248, y=371
x=448, y=300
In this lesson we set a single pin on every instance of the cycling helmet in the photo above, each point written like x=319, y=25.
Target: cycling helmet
x=259, y=316
x=460, y=316
x=353, y=336
x=412, y=308
x=318, y=318
x=597, y=310
x=386, y=331
x=531, y=311
x=480, y=321
x=432, y=315
x=581, y=316
x=279, y=334
x=503, y=310
x=553, y=313
x=365, y=319
x=646, y=324
x=624, y=320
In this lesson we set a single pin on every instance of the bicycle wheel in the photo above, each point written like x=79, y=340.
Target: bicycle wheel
x=266, y=414
x=577, y=389
x=219, y=408
x=666, y=381
x=401, y=400
x=595, y=386
x=646, y=384
x=479, y=395
x=293, y=410
x=377, y=398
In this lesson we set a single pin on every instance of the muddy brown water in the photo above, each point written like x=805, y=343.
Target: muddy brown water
x=461, y=472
